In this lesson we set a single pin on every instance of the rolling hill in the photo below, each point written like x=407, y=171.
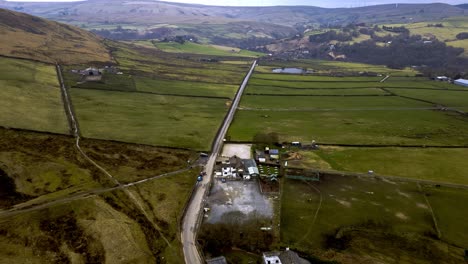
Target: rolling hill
x=152, y=12
x=28, y=37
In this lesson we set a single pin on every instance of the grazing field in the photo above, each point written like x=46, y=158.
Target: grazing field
x=355, y=127
x=448, y=205
x=150, y=62
x=195, y=48
x=352, y=220
x=30, y=97
x=449, y=98
x=329, y=102
x=351, y=110
x=416, y=163
x=173, y=121
x=286, y=91
x=447, y=32
x=161, y=99
x=185, y=87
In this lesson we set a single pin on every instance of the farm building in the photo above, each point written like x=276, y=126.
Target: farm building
x=91, y=74
x=218, y=260
x=251, y=169
x=274, y=154
x=461, y=82
x=284, y=257
x=271, y=258
x=260, y=156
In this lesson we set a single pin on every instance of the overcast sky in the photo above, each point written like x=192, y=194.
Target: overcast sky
x=321, y=3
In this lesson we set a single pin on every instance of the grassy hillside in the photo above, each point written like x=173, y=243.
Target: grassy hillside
x=29, y=37
x=38, y=169
x=446, y=33
x=30, y=96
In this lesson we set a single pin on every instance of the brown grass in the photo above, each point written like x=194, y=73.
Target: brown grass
x=29, y=37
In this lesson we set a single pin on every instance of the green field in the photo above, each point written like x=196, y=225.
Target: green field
x=412, y=162
x=351, y=110
x=150, y=62
x=449, y=98
x=448, y=205
x=185, y=87
x=368, y=219
x=149, y=119
x=30, y=97
x=395, y=127
x=269, y=90
x=451, y=27
x=195, y=48
x=160, y=98
x=328, y=103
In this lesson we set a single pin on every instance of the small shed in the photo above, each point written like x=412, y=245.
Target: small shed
x=461, y=82
x=251, y=168
x=218, y=260
x=274, y=154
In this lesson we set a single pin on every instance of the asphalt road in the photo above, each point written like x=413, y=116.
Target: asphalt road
x=193, y=212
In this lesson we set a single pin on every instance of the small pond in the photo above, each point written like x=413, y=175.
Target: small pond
x=289, y=70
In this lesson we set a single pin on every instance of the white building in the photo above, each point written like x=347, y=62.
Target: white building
x=271, y=258
x=461, y=82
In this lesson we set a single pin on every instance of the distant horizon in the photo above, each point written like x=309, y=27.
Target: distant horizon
x=318, y=3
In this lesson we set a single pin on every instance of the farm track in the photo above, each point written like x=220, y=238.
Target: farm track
x=309, y=230
x=19, y=209
x=76, y=133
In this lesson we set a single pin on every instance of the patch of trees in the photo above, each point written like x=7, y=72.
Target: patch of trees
x=401, y=29
x=462, y=35
x=333, y=35
x=435, y=25
x=405, y=51
x=236, y=231
x=251, y=43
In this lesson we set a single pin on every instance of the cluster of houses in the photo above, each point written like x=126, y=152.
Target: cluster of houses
x=235, y=168
x=267, y=156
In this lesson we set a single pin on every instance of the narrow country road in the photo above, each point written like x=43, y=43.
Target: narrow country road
x=193, y=213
